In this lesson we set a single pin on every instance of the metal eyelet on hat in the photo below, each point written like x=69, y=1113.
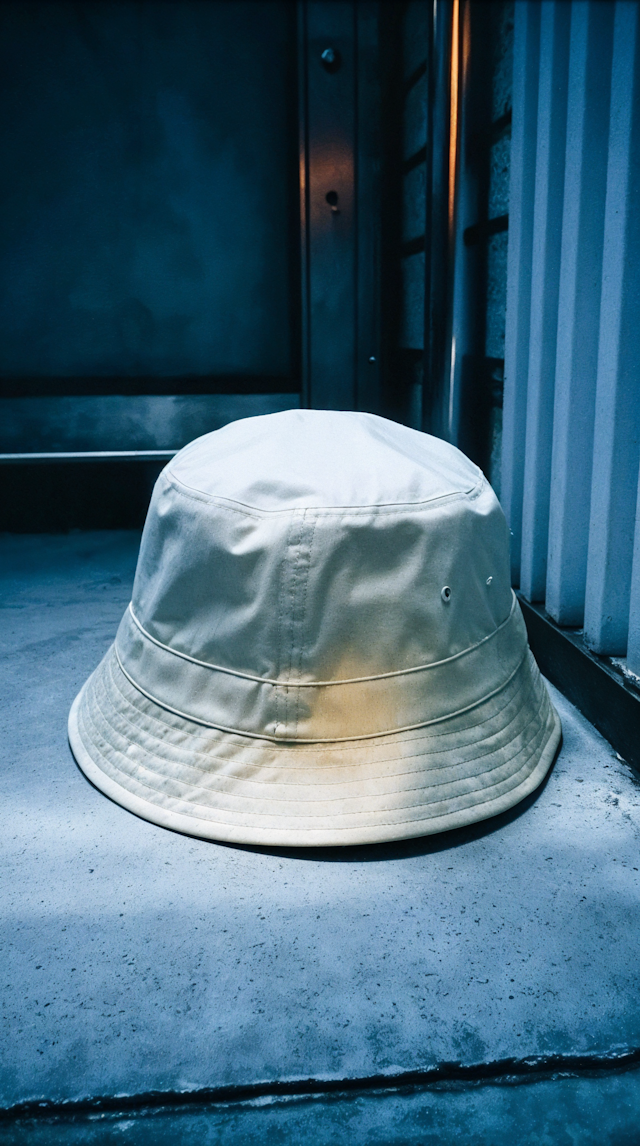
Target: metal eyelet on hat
x=446, y=594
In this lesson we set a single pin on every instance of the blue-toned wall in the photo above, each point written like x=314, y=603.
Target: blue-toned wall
x=146, y=193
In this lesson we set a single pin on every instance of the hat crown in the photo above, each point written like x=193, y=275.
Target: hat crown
x=251, y=563
x=306, y=459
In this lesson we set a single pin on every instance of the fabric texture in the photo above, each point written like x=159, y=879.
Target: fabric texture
x=322, y=645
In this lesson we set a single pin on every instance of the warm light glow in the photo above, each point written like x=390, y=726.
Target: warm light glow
x=466, y=45
x=453, y=104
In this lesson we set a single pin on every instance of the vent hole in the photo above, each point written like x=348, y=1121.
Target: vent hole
x=446, y=594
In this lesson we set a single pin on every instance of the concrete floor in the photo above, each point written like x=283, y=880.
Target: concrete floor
x=135, y=960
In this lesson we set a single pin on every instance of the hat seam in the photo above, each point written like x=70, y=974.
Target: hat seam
x=319, y=739
x=415, y=755
x=275, y=681
x=164, y=758
x=222, y=502
x=280, y=695
x=471, y=792
x=150, y=755
x=368, y=812
x=158, y=739
x=301, y=745
x=287, y=615
x=303, y=617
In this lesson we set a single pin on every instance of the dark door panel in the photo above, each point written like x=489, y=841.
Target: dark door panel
x=148, y=184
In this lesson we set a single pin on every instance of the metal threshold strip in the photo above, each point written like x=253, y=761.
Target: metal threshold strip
x=505, y=1070
x=591, y=682
x=89, y=456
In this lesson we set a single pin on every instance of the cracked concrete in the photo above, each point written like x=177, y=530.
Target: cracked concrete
x=135, y=959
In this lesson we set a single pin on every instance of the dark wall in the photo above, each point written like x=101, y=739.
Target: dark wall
x=147, y=188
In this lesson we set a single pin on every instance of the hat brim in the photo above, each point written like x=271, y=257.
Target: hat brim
x=224, y=786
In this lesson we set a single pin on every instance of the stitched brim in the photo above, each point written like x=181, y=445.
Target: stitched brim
x=237, y=789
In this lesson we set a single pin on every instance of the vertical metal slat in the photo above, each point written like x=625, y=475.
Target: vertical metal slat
x=367, y=175
x=438, y=249
x=303, y=182
x=331, y=224
x=615, y=452
x=555, y=18
x=521, y=194
x=579, y=308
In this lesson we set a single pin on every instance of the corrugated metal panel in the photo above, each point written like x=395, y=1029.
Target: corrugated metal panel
x=579, y=309
x=615, y=447
x=575, y=404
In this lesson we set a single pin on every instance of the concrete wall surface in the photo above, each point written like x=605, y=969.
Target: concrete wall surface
x=139, y=962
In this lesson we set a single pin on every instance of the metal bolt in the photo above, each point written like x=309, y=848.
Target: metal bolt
x=331, y=60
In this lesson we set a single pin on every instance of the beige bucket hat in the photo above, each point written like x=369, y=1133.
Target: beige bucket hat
x=322, y=647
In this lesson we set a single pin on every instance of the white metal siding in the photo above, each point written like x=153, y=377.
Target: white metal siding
x=572, y=353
